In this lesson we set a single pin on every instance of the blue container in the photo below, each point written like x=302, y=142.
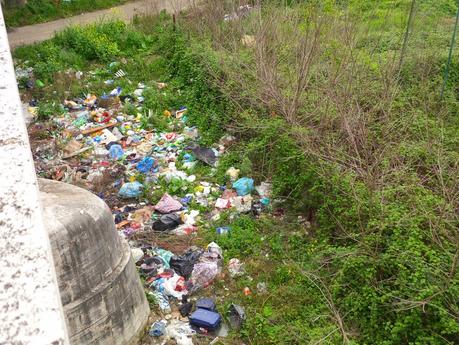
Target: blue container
x=207, y=319
x=206, y=303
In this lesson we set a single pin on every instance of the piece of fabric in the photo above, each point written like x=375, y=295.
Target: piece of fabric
x=168, y=204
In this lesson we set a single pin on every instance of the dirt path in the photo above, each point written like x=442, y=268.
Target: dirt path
x=39, y=32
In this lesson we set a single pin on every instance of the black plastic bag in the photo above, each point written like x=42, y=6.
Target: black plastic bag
x=203, y=154
x=167, y=222
x=184, y=263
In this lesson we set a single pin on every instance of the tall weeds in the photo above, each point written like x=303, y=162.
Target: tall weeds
x=379, y=140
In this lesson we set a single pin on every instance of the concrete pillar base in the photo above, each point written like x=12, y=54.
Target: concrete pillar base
x=101, y=293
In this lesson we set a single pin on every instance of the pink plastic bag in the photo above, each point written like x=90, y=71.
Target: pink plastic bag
x=168, y=204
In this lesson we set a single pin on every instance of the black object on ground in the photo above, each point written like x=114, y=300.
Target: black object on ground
x=203, y=154
x=184, y=263
x=167, y=222
x=236, y=316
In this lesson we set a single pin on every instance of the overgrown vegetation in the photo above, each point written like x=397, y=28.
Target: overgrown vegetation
x=363, y=149
x=38, y=11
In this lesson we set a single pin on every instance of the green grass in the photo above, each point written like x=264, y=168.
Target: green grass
x=39, y=11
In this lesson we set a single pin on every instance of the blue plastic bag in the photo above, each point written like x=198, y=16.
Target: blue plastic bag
x=145, y=165
x=130, y=190
x=116, y=152
x=157, y=329
x=243, y=186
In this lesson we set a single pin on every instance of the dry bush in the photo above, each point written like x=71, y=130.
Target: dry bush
x=305, y=67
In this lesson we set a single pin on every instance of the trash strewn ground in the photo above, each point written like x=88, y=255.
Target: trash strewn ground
x=158, y=201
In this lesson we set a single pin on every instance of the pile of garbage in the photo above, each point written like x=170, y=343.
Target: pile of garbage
x=97, y=145
x=174, y=279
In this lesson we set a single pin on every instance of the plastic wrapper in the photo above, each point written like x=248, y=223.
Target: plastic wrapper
x=184, y=263
x=168, y=204
x=235, y=268
x=130, y=190
x=167, y=222
x=116, y=152
x=157, y=329
x=145, y=165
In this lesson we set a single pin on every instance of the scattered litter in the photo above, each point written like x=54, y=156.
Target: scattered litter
x=184, y=263
x=168, y=204
x=264, y=189
x=116, y=152
x=243, y=186
x=236, y=316
x=203, y=154
x=222, y=203
x=206, y=303
x=233, y=173
x=181, y=332
x=246, y=291
x=242, y=204
x=262, y=288
x=235, y=267
x=76, y=153
x=100, y=142
x=162, y=301
x=131, y=190
x=158, y=328
x=120, y=74
x=206, y=319
x=223, y=230
x=137, y=254
x=167, y=222
x=72, y=146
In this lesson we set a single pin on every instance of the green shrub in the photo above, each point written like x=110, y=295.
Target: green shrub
x=244, y=238
x=90, y=42
x=49, y=110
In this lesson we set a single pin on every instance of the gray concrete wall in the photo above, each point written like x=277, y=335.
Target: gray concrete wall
x=30, y=307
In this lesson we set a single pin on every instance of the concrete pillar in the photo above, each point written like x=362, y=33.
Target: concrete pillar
x=30, y=305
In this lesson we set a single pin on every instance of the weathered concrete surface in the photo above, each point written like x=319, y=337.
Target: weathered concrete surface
x=39, y=32
x=101, y=292
x=30, y=306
